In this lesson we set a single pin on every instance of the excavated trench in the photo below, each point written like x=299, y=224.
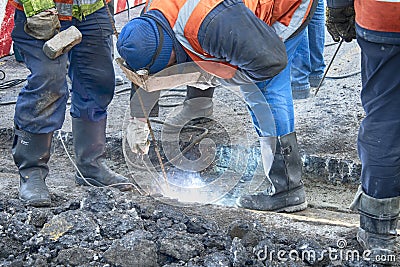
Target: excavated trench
x=88, y=226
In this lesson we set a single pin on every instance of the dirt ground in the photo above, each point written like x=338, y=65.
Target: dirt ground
x=103, y=227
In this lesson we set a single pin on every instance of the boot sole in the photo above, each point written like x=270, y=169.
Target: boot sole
x=92, y=182
x=294, y=208
x=36, y=202
x=288, y=209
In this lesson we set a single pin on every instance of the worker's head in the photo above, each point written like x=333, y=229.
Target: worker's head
x=139, y=42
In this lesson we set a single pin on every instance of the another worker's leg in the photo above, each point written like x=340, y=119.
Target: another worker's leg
x=308, y=64
x=92, y=74
x=197, y=104
x=316, y=42
x=286, y=190
x=39, y=111
x=378, y=199
x=301, y=69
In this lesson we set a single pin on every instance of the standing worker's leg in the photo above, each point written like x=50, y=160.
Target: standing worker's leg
x=197, y=104
x=39, y=111
x=378, y=198
x=301, y=68
x=283, y=168
x=308, y=64
x=92, y=74
x=316, y=41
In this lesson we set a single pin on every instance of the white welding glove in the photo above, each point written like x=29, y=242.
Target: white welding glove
x=137, y=134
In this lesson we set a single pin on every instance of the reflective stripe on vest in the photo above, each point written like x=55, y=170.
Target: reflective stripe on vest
x=285, y=30
x=64, y=9
x=186, y=17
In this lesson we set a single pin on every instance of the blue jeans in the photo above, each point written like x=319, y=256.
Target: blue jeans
x=308, y=65
x=270, y=102
x=41, y=104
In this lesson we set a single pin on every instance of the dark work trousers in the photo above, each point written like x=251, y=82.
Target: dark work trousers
x=42, y=102
x=150, y=100
x=379, y=134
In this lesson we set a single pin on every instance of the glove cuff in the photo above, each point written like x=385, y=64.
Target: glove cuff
x=33, y=7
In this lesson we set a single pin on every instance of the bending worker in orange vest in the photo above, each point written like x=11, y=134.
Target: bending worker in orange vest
x=257, y=40
x=378, y=197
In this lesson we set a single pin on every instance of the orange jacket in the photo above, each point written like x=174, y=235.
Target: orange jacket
x=186, y=16
x=383, y=15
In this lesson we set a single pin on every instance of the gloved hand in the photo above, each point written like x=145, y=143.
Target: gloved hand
x=340, y=23
x=43, y=25
x=137, y=134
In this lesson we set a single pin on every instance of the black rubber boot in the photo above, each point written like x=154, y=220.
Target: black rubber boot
x=31, y=152
x=285, y=190
x=378, y=223
x=89, y=144
x=197, y=104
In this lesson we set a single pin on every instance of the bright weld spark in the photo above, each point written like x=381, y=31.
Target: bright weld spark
x=183, y=185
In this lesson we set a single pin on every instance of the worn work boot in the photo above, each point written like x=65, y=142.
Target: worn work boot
x=378, y=223
x=89, y=144
x=31, y=152
x=285, y=190
x=198, y=104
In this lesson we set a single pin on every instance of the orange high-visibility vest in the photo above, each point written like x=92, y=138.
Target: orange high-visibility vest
x=382, y=15
x=186, y=16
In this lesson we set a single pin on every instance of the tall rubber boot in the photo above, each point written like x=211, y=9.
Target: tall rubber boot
x=89, y=144
x=378, y=223
x=31, y=152
x=285, y=190
x=197, y=104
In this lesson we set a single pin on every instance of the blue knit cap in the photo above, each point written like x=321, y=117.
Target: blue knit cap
x=137, y=44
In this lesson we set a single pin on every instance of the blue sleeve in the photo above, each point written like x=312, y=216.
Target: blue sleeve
x=339, y=3
x=231, y=32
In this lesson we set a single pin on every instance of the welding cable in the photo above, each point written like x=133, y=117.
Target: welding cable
x=6, y=103
x=331, y=44
x=338, y=77
x=196, y=140
x=59, y=136
x=173, y=104
x=11, y=83
x=123, y=91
